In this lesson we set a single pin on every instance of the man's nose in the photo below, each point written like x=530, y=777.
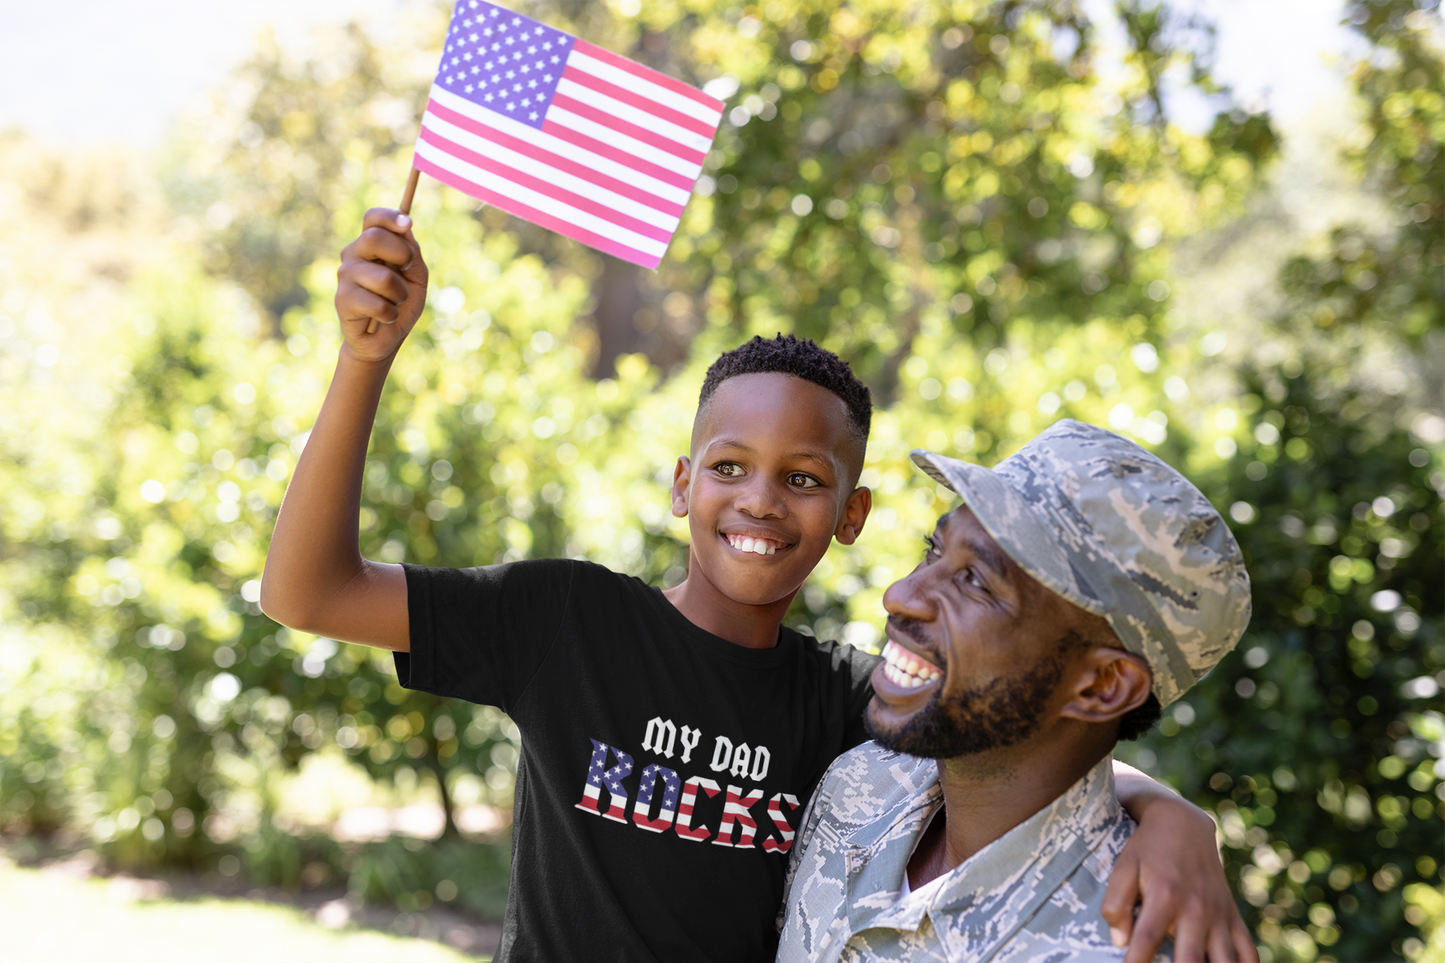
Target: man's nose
x=762, y=497
x=907, y=598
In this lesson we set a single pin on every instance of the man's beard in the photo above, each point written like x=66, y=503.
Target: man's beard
x=1002, y=713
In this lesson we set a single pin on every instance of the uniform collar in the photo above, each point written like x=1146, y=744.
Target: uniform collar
x=982, y=902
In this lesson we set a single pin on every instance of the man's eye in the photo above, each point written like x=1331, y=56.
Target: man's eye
x=930, y=549
x=799, y=480
x=973, y=578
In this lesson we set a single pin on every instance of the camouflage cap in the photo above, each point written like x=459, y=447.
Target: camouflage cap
x=1120, y=534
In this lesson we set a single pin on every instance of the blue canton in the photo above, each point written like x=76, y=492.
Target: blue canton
x=503, y=61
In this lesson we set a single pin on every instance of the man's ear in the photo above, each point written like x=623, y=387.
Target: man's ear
x=681, y=478
x=855, y=513
x=1109, y=683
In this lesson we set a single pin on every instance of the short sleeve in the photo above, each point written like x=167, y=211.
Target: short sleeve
x=481, y=634
x=860, y=693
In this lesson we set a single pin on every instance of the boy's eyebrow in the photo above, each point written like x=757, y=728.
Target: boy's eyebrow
x=740, y=446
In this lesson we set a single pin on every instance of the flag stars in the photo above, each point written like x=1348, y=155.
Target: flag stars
x=485, y=33
x=532, y=49
x=547, y=45
x=517, y=88
x=556, y=59
x=511, y=74
x=472, y=36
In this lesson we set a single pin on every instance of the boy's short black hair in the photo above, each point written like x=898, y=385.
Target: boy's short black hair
x=802, y=358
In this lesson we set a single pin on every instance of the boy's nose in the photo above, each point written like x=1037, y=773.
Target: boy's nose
x=762, y=499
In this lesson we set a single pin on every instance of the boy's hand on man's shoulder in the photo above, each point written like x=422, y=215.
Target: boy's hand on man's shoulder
x=382, y=276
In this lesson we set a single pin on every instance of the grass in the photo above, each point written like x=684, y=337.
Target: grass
x=55, y=917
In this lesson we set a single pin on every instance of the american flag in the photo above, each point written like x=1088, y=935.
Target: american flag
x=563, y=133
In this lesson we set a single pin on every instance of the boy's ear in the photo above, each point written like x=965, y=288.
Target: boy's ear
x=681, y=478
x=1110, y=682
x=855, y=513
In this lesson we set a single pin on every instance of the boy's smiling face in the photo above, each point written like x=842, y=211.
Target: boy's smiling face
x=768, y=486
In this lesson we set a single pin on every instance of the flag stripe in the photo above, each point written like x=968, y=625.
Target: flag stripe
x=702, y=128
x=609, y=143
x=546, y=188
x=522, y=155
x=647, y=73
x=634, y=132
x=663, y=184
x=678, y=140
x=564, y=225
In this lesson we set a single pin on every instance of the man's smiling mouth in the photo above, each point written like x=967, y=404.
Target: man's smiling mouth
x=754, y=544
x=904, y=668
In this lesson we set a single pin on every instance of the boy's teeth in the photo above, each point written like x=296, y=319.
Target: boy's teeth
x=757, y=546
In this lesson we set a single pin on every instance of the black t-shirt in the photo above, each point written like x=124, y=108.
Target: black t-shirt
x=663, y=769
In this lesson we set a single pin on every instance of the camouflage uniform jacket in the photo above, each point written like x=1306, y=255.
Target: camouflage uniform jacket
x=1034, y=894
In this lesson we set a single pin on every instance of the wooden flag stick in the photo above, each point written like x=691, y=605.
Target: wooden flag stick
x=406, y=199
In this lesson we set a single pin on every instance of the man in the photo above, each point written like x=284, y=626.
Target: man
x=1082, y=586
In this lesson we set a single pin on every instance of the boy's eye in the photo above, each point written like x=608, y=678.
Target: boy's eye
x=799, y=480
x=729, y=468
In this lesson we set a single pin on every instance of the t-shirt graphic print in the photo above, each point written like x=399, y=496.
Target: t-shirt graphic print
x=663, y=769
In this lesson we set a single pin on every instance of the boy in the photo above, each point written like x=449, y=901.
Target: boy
x=670, y=737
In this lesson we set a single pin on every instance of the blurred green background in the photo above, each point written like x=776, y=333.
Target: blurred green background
x=989, y=208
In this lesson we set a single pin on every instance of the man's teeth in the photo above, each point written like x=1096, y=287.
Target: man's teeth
x=758, y=546
x=903, y=668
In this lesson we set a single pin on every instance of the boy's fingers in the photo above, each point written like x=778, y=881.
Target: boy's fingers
x=354, y=303
x=1148, y=932
x=387, y=217
x=1244, y=948
x=1189, y=941
x=378, y=279
x=380, y=244
x=1120, y=897
x=1221, y=947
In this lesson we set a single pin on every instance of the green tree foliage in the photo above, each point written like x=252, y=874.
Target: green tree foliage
x=1318, y=749
x=945, y=193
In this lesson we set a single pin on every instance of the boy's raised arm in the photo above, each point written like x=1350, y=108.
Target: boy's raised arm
x=315, y=578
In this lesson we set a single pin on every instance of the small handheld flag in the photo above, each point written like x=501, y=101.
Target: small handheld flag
x=564, y=134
